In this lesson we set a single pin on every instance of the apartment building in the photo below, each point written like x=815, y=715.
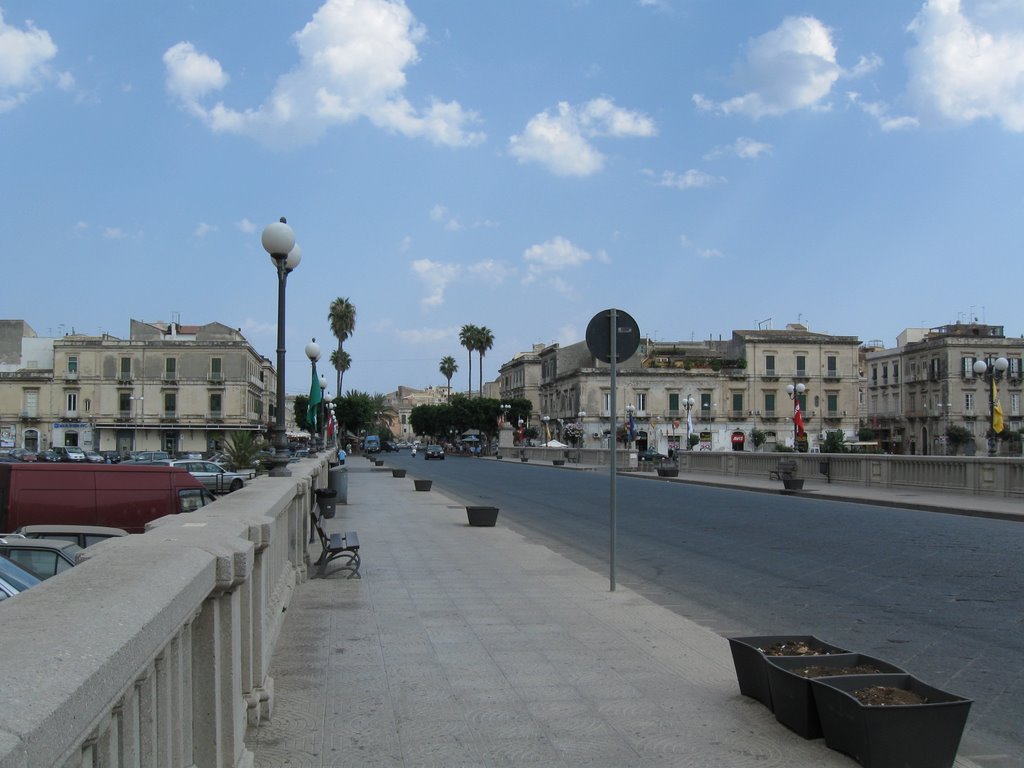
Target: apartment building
x=927, y=383
x=167, y=387
x=737, y=385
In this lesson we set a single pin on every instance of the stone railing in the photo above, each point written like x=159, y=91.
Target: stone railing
x=155, y=650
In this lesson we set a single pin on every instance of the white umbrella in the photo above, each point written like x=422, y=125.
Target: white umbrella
x=555, y=444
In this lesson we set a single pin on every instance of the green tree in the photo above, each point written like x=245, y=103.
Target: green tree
x=467, y=338
x=448, y=368
x=341, y=361
x=299, y=410
x=354, y=411
x=241, y=449
x=957, y=437
x=483, y=342
x=758, y=437
x=835, y=442
x=342, y=318
x=865, y=434
x=381, y=411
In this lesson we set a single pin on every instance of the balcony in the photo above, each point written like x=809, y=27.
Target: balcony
x=216, y=377
x=169, y=416
x=28, y=416
x=801, y=373
x=70, y=375
x=770, y=373
x=832, y=374
x=216, y=415
x=124, y=378
x=170, y=377
x=833, y=415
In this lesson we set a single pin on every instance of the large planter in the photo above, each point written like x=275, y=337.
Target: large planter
x=482, y=516
x=422, y=485
x=792, y=693
x=524, y=459
x=895, y=736
x=558, y=462
x=398, y=473
x=668, y=470
x=752, y=669
x=793, y=483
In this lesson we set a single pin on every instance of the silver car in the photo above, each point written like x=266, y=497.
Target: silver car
x=213, y=476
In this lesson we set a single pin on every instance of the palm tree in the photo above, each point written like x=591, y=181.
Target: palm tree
x=483, y=342
x=341, y=361
x=448, y=368
x=342, y=317
x=381, y=411
x=467, y=338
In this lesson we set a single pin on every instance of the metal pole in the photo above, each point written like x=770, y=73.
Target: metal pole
x=614, y=446
x=280, y=461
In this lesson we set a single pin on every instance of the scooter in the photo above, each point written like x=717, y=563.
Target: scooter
x=414, y=451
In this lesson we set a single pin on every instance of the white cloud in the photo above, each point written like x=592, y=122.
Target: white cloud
x=440, y=214
x=791, y=67
x=743, y=147
x=490, y=271
x=406, y=243
x=880, y=112
x=700, y=252
x=24, y=57
x=353, y=56
x=561, y=142
x=245, y=226
x=252, y=328
x=436, y=277
x=204, y=229
x=113, y=233
x=417, y=336
x=691, y=179
x=969, y=69
x=555, y=255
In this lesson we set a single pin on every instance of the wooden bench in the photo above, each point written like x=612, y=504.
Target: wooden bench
x=784, y=470
x=336, y=546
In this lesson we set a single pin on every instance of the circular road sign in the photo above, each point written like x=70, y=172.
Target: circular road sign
x=599, y=336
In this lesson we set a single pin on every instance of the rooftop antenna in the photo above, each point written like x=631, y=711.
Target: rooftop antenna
x=765, y=325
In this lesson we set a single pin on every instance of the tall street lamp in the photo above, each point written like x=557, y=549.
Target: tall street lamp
x=995, y=412
x=583, y=436
x=688, y=404
x=322, y=412
x=795, y=393
x=313, y=353
x=279, y=241
x=629, y=423
x=547, y=433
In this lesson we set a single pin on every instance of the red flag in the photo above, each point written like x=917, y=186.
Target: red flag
x=330, y=426
x=797, y=418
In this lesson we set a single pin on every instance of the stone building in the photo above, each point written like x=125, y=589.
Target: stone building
x=916, y=391
x=737, y=385
x=167, y=387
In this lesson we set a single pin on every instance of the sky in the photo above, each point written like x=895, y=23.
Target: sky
x=703, y=166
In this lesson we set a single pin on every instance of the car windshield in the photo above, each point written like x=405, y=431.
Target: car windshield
x=16, y=576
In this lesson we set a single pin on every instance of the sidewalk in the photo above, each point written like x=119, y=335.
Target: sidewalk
x=469, y=646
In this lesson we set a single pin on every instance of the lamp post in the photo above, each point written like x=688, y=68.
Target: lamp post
x=140, y=419
x=990, y=377
x=688, y=404
x=322, y=411
x=795, y=392
x=547, y=434
x=505, y=408
x=313, y=353
x=629, y=420
x=583, y=436
x=279, y=241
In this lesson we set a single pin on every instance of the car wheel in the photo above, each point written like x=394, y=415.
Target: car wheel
x=236, y=484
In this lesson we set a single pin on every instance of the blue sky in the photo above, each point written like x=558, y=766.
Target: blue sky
x=704, y=166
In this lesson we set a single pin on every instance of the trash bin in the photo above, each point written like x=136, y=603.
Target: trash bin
x=337, y=481
x=326, y=499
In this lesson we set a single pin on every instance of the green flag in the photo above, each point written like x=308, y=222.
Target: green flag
x=313, y=408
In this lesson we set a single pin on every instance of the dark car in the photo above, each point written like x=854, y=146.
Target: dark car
x=43, y=557
x=14, y=578
x=434, y=452
x=651, y=455
x=47, y=455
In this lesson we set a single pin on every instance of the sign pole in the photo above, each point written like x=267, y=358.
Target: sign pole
x=613, y=444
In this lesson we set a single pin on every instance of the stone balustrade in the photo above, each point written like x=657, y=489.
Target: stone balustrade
x=155, y=650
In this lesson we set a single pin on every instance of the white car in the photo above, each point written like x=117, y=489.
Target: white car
x=213, y=476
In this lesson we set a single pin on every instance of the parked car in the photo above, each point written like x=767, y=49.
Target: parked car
x=47, y=455
x=43, y=557
x=651, y=455
x=214, y=477
x=146, y=457
x=95, y=457
x=69, y=453
x=15, y=579
x=23, y=454
x=112, y=457
x=434, y=452
x=82, y=535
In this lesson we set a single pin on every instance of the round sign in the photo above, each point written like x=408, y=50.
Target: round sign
x=599, y=336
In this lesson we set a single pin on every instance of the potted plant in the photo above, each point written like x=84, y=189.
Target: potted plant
x=890, y=721
x=789, y=679
x=397, y=472
x=748, y=656
x=422, y=485
x=482, y=516
x=668, y=469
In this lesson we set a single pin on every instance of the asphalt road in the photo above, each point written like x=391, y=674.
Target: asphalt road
x=940, y=595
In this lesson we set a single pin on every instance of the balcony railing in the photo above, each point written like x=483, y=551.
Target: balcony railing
x=216, y=376
x=170, y=376
x=770, y=373
x=217, y=415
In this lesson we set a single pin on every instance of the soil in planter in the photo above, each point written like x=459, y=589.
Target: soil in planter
x=820, y=671
x=884, y=696
x=801, y=648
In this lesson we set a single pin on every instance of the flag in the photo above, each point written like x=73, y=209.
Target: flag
x=689, y=425
x=330, y=426
x=313, y=407
x=797, y=418
x=997, y=410
x=632, y=427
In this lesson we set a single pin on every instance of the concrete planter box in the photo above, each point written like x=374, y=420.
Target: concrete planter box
x=558, y=462
x=524, y=459
x=793, y=484
x=897, y=736
x=752, y=669
x=482, y=516
x=422, y=485
x=398, y=473
x=792, y=693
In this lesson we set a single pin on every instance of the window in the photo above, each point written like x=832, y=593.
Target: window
x=885, y=373
x=126, y=369
x=641, y=402
x=607, y=396
x=832, y=403
x=171, y=368
x=801, y=365
x=72, y=364
x=769, y=403
x=31, y=402
x=124, y=403
x=969, y=403
x=170, y=403
x=874, y=374
x=769, y=365
x=673, y=402
x=87, y=404
x=895, y=373
x=215, y=369
x=831, y=365
x=72, y=402
x=1015, y=404
x=215, y=403
x=737, y=402
x=967, y=366
x=705, y=402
